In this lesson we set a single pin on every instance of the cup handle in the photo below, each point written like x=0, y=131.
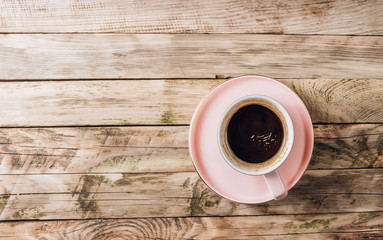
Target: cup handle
x=276, y=185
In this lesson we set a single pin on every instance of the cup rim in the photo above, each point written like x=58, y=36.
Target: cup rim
x=282, y=154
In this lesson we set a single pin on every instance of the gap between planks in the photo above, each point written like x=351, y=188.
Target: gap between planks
x=271, y=34
x=162, y=125
x=181, y=217
x=164, y=79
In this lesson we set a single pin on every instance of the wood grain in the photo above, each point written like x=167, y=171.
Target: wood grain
x=143, y=102
x=161, y=149
x=61, y=158
x=95, y=56
x=81, y=196
x=101, y=102
x=195, y=16
x=326, y=226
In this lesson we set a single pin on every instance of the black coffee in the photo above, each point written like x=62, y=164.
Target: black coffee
x=255, y=133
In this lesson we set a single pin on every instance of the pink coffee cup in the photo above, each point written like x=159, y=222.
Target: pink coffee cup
x=269, y=168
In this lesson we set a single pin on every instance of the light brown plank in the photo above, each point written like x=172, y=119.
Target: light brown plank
x=142, y=102
x=79, y=196
x=327, y=226
x=92, y=56
x=349, y=146
x=161, y=149
x=106, y=149
x=195, y=16
x=101, y=102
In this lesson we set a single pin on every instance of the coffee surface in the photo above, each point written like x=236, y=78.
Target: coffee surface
x=255, y=133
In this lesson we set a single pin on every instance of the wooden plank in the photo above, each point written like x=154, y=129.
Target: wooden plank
x=350, y=146
x=92, y=56
x=101, y=102
x=103, y=149
x=80, y=196
x=326, y=226
x=142, y=102
x=161, y=149
x=194, y=16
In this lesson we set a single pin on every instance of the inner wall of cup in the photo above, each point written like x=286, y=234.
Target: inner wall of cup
x=279, y=156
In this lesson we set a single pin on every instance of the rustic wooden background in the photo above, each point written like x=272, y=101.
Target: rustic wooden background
x=96, y=98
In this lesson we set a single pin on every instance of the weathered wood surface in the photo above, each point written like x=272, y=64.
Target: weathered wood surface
x=62, y=158
x=142, y=102
x=324, y=226
x=196, y=16
x=79, y=196
x=161, y=149
x=95, y=56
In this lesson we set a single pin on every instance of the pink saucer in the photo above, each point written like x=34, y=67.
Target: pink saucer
x=203, y=143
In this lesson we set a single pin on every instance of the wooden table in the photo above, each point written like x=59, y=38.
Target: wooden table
x=96, y=99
